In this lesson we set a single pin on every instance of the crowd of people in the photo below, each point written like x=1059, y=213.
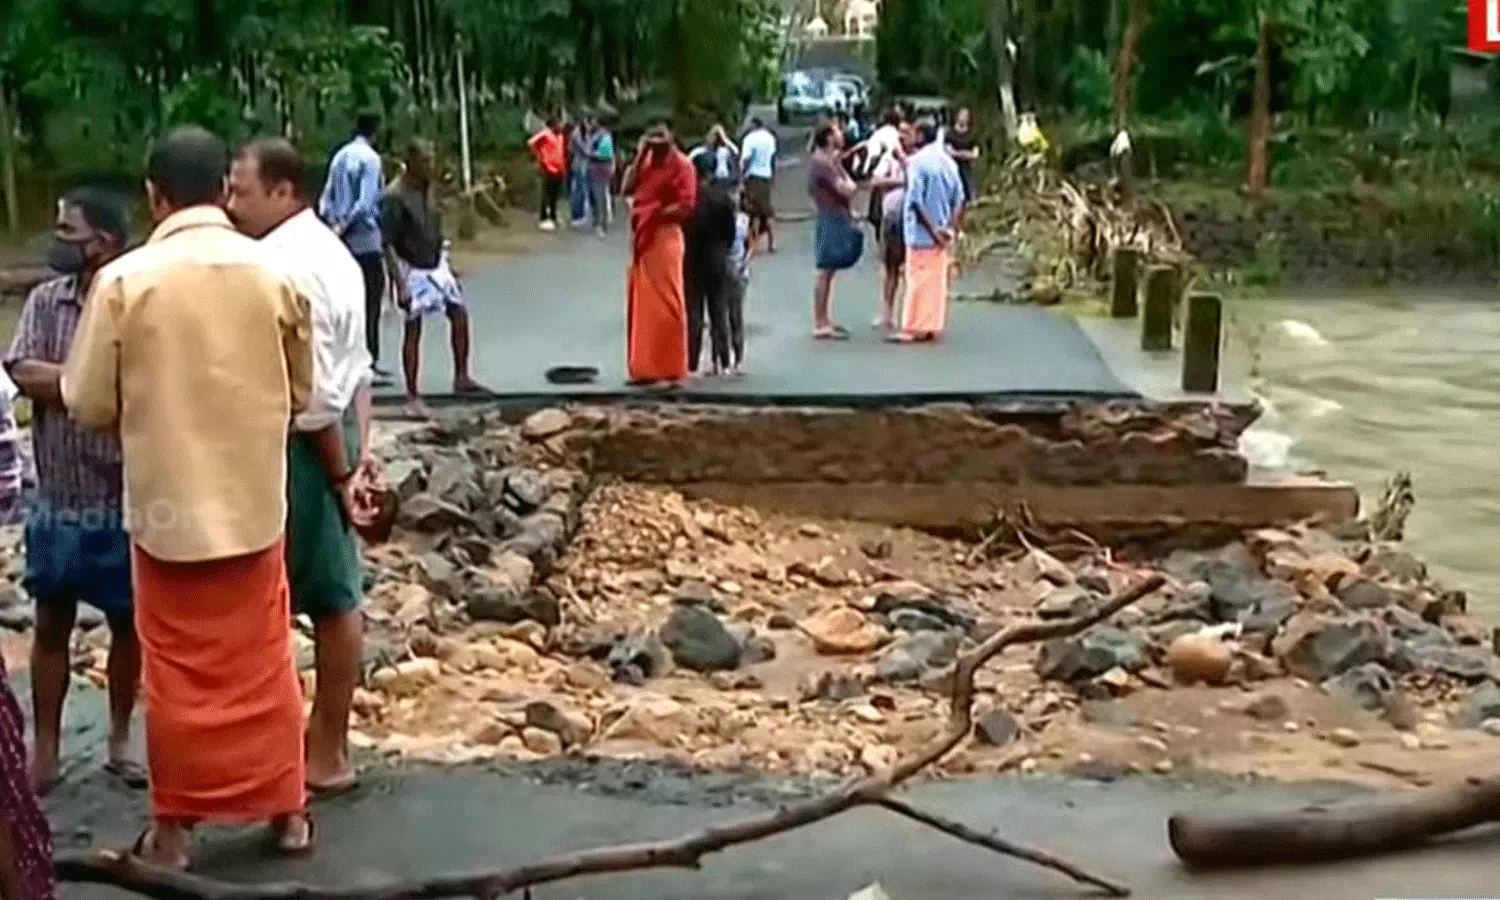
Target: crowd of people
x=698, y=219
x=576, y=160
x=198, y=534
x=201, y=437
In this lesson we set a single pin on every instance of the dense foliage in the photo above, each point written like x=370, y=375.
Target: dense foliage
x=1331, y=59
x=86, y=83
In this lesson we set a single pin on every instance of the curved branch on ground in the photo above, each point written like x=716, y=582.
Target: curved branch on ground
x=130, y=873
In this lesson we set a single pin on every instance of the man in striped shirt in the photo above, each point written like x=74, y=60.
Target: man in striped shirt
x=76, y=546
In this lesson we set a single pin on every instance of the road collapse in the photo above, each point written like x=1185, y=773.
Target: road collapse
x=609, y=583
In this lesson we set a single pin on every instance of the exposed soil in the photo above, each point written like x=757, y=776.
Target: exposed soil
x=727, y=639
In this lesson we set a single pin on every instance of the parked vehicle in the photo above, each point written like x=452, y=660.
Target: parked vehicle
x=801, y=98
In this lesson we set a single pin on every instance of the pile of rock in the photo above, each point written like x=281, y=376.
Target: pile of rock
x=524, y=611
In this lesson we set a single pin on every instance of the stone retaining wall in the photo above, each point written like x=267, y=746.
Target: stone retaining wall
x=1094, y=444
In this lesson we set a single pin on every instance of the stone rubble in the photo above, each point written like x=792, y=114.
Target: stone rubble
x=525, y=611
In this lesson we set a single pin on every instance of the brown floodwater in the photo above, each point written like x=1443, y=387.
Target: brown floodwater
x=1363, y=385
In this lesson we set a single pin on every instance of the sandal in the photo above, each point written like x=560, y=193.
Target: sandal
x=831, y=333
x=145, y=843
x=129, y=772
x=333, y=788
x=281, y=829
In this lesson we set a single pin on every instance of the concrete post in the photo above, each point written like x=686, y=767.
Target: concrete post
x=1159, y=308
x=1201, y=335
x=1123, y=286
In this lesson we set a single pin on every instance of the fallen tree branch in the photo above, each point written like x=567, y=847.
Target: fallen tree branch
x=125, y=871
x=1001, y=845
x=1319, y=833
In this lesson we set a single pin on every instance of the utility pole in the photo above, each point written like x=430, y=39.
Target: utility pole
x=467, y=223
x=463, y=119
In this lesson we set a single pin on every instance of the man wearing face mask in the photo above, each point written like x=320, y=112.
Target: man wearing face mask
x=663, y=187
x=76, y=546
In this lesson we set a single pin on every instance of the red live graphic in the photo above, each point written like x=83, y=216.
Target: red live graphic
x=1484, y=26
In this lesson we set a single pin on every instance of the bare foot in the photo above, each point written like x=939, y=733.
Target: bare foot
x=45, y=774
x=467, y=385
x=417, y=410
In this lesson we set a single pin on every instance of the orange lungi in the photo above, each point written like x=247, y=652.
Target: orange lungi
x=656, y=316
x=926, y=291
x=223, y=701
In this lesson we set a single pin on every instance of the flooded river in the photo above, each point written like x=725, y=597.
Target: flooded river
x=1362, y=385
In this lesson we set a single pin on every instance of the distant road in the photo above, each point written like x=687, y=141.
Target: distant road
x=834, y=52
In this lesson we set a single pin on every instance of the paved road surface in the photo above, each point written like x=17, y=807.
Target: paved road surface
x=415, y=824
x=410, y=823
x=565, y=305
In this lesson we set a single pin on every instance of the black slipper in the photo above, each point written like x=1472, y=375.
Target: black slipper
x=129, y=773
x=336, y=789
x=572, y=375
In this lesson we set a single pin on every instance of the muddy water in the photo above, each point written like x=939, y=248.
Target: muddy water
x=1363, y=385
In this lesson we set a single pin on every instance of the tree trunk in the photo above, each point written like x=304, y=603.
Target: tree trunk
x=8, y=150
x=1257, y=172
x=1124, y=69
x=609, y=57
x=997, y=24
x=1387, y=823
x=1029, y=60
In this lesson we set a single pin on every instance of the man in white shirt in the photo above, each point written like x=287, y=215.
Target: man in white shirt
x=758, y=160
x=328, y=455
x=885, y=140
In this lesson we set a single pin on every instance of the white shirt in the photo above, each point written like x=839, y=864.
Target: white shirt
x=891, y=166
x=331, y=281
x=760, y=154
x=885, y=140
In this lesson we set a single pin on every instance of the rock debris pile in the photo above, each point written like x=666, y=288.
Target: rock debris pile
x=524, y=611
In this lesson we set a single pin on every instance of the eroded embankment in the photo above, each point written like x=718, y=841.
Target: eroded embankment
x=554, y=590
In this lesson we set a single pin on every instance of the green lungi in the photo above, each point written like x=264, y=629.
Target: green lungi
x=322, y=552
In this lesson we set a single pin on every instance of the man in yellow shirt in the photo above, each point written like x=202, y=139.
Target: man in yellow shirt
x=198, y=350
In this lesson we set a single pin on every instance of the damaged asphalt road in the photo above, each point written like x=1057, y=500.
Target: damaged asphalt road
x=412, y=820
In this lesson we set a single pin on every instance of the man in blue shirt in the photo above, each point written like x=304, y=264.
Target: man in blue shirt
x=601, y=168
x=350, y=205
x=932, y=207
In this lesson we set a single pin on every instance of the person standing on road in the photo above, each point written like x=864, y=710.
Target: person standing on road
x=549, y=147
x=964, y=149
x=888, y=188
x=25, y=835
x=708, y=238
x=329, y=446
x=350, y=205
x=724, y=157
x=739, y=285
x=760, y=176
x=198, y=349
x=76, y=545
x=578, y=173
x=664, y=188
x=601, y=173
x=931, y=208
x=837, y=242
x=426, y=284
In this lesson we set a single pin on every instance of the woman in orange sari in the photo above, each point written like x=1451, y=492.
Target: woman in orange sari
x=663, y=188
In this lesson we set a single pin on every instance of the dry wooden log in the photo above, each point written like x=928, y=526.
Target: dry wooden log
x=121, y=869
x=1319, y=833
